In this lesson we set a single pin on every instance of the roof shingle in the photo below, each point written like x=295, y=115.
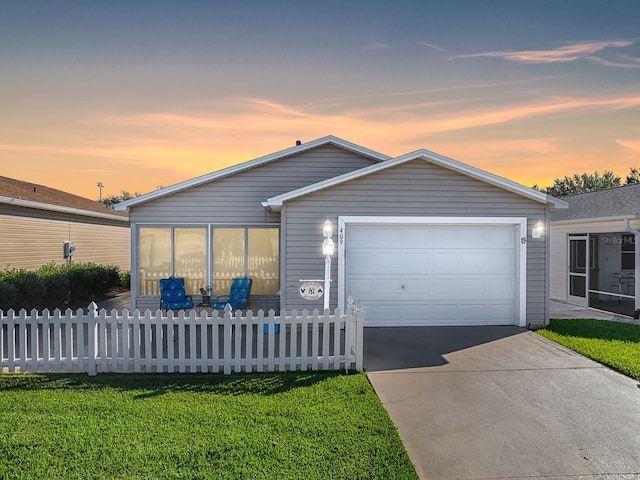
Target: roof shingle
x=18, y=189
x=613, y=202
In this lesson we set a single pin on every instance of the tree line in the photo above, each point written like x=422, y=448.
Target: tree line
x=588, y=182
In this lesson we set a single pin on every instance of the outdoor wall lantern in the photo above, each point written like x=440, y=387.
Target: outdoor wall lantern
x=328, y=248
x=537, y=230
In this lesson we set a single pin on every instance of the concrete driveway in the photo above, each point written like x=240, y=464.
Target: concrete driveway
x=503, y=402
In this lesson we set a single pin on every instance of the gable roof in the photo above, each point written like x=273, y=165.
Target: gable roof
x=612, y=203
x=225, y=172
x=40, y=197
x=275, y=203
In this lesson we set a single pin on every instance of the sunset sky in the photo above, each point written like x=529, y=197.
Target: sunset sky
x=137, y=94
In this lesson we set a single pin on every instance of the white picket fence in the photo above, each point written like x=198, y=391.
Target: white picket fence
x=100, y=342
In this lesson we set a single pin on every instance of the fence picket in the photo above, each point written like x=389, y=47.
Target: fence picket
x=171, y=354
x=336, y=339
x=104, y=342
x=237, y=328
x=271, y=350
x=46, y=339
x=304, y=340
x=215, y=341
x=293, y=343
x=148, y=349
x=315, y=344
x=125, y=340
x=11, y=336
x=260, y=342
x=21, y=343
x=193, y=360
x=226, y=353
x=248, y=344
x=68, y=341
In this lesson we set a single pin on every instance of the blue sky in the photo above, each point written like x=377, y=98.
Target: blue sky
x=139, y=94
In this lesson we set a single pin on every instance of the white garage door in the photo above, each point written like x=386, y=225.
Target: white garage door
x=433, y=274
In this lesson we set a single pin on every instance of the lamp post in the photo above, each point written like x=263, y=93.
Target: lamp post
x=100, y=186
x=327, y=251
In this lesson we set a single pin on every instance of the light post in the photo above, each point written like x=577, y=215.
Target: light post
x=327, y=251
x=100, y=186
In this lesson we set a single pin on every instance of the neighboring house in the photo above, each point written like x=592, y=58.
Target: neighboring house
x=594, y=252
x=421, y=239
x=37, y=221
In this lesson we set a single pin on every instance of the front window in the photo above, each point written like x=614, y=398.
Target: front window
x=234, y=252
x=154, y=258
x=246, y=252
x=262, y=260
x=228, y=257
x=190, y=258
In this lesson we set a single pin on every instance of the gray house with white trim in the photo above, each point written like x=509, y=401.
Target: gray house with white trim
x=422, y=239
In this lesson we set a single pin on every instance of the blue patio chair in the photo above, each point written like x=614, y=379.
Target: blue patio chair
x=172, y=294
x=238, y=296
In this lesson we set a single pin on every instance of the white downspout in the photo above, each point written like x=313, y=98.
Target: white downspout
x=627, y=226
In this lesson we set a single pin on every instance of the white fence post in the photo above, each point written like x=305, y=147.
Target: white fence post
x=92, y=337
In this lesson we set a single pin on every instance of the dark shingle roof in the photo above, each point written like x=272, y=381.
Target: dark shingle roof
x=31, y=192
x=613, y=202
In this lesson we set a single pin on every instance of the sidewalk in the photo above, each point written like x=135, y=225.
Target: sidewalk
x=119, y=302
x=564, y=310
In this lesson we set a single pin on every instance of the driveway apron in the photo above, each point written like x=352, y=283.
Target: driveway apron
x=503, y=402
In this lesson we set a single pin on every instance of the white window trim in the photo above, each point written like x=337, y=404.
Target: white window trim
x=520, y=223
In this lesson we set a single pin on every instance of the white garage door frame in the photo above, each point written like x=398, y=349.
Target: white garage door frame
x=519, y=223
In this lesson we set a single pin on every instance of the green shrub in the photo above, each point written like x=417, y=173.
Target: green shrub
x=125, y=279
x=56, y=287
x=88, y=280
x=21, y=289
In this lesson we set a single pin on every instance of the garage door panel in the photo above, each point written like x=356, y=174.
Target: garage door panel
x=443, y=261
x=500, y=287
x=447, y=236
x=360, y=287
x=360, y=262
x=418, y=262
x=416, y=237
x=387, y=236
x=503, y=236
x=443, y=287
x=451, y=274
x=389, y=262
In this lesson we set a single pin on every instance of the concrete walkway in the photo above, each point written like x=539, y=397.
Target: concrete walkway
x=564, y=310
x=503, y=402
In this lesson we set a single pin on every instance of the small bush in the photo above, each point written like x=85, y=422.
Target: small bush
x=125, y=279
x=56, y=287
x=21, y=289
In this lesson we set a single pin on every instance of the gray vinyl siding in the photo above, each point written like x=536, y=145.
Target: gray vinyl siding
x=33, y=238
x=237, y=199
x=558, y=254
x=413, y=189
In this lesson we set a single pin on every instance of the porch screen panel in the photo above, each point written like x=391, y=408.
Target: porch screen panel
x=190, y=255
x=228, y=258
x=262, y=257
x=154, y=253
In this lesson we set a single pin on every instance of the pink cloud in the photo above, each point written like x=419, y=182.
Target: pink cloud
x=567, y=53
x=630, y=144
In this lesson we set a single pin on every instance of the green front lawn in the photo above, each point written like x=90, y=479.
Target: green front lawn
x=614, y=344
x=262, y=426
